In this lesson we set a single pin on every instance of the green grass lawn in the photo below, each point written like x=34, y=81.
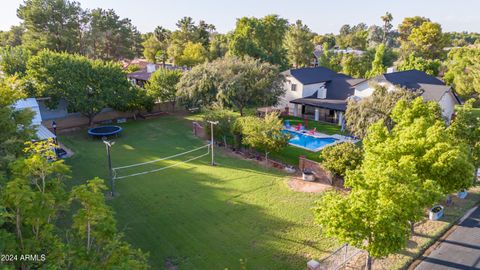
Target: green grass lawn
x=290, y=153
x=197, y=216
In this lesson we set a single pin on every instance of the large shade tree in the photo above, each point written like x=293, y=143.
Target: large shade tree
x=261, y=38
x=362, y=113
x=298, y=44
x=232, y=82
x=463, y=73
x=51, y=24
x=404, y=170
x=162, y=85
x=87, y=86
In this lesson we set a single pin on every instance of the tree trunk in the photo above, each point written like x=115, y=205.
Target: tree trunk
x=266, y=159
x=88, y=237
x=90, y=120
x=225, y=141
x=173, y=106
x=18, y=225
x=368, y=262
x=412, y=227
x=241, y=111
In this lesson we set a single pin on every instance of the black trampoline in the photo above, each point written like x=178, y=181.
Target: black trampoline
x=104, y=131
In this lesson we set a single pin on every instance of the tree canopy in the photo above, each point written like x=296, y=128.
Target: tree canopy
x=81, y=82
x=232, y=82
x=404, y=170
x=363, y=113
x=298, y=44
x=162, y=85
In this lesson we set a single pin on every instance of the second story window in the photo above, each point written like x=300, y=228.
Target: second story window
x=293, y=87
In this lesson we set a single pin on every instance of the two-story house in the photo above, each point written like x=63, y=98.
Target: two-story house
x=317, y=93
x=321, y=94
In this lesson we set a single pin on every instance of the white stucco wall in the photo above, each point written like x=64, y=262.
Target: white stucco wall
x=284, y=101
x=447, y=103
x=300, y=92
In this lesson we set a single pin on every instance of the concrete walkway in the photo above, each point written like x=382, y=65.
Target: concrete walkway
x=459, y=250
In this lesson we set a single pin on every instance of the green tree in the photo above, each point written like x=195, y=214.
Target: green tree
x=162, y=85
x=51, y=24
x=99, y=246
x=109, y=37
x=387, y=26
x=265, y=134
x=377, y=65
x=363, y=113
x=463, y=73
x=428, y=40
x=327, y=38
x=13, y=60
x=232, y=82
x=298, y=44
x=466, y=127
x=79, y=81
x=34, y=197
x=247, y=82
x=151, y=47
x=16, y=125
x=193, y=54
x=218, y=46
x=407, y=26
x=189, y=33
x=226, y=120
x=261, y=38
x=198, y=86
x=340, y=158
x=13, y=37
x=428, y=66
x=356, y=66
x=401, y=174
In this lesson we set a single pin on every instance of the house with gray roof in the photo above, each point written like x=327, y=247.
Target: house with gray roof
x=321, y=94
x=317, y=93
x=430, y=88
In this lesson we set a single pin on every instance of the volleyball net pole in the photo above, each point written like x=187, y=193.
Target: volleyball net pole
x=212, y=123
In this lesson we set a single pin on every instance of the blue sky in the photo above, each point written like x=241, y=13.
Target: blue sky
x=320, y=15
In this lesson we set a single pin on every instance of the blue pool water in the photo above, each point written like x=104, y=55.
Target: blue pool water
x=309, y=142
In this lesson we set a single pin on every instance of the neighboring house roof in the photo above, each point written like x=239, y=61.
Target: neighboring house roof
x=142, y=75
x=318, y=51
x=31, y=103
x=313, y=75
x=432, y=87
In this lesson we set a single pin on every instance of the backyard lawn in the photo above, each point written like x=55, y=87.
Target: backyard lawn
x=197, y=216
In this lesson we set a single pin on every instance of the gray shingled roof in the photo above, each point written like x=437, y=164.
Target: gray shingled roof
x=333, y=104
x=313, y=75
x=410, y=79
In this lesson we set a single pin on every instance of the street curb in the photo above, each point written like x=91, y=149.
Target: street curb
x=447, y=233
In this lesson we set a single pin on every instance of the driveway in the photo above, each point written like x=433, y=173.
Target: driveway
x=460, y=250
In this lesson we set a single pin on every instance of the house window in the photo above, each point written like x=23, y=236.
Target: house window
x=293, y=87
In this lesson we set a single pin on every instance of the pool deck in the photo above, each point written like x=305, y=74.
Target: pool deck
x=339, y=138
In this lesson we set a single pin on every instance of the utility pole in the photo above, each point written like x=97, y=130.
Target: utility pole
x=211, y=139
x=109, y=145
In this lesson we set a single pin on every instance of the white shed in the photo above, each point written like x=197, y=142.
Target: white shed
x=43, y=133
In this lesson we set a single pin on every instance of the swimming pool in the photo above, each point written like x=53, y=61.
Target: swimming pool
x=309, y=142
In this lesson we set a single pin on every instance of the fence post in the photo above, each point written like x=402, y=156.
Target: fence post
x=301, y=163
